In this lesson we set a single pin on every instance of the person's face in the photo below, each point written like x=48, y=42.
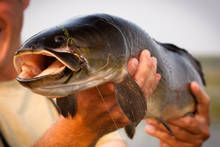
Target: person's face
x=11, y=17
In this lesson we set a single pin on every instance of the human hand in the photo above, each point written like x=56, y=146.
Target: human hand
x=144, y=72
x=190, y=131
x=99, y=110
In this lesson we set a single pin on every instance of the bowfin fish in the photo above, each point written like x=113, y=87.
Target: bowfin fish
x=90, y=50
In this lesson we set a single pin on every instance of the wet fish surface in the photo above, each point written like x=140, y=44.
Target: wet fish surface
x=90, y=50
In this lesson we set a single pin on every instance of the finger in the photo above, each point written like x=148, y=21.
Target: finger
x=115, y=112
x=142, y=68
x=132, y=66
x=120, y=117
x=188, y=123
x=163, y=144
x=158, y=77
x=203, y=100
x=165, y=137
x=151, y=80
x=157, y=80
x=180, y=134
x=109, y=102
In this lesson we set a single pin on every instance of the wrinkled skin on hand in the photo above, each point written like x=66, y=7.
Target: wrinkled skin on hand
x=190, y=131
x=99, y=110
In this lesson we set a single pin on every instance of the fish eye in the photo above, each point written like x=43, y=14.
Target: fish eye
x=60, y=39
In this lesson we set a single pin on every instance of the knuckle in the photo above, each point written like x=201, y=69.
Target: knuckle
x=188, y=121
x=206, y=134
x=116, y=115
x=164, y=135
x=106, y=106
x=124, y=120
x=193, y=124
x=198, y=143
x=152, y=66
x=208, y=100
x=177, y=129
x=140, y=81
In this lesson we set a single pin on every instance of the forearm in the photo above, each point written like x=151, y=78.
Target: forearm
x=68, y=132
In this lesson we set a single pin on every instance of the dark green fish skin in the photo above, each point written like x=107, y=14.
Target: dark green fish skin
x=105, y=43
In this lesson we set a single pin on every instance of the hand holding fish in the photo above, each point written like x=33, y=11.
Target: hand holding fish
x=98, y=112
x=190, y=131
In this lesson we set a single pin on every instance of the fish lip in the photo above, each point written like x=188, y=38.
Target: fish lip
x=71, y=88
x=39, y=82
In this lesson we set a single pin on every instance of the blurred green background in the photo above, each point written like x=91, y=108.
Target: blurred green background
x=211, y=68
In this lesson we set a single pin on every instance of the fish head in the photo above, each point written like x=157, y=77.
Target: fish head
x=66, y=59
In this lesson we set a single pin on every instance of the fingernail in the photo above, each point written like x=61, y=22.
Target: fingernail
x=195, y=86
x=158, y=76
x=146, y=53
x=134, y=62
x=150, y=128
x=154, y=60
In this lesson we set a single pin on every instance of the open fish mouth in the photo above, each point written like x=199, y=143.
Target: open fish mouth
x=41, y=64
x=38, y=65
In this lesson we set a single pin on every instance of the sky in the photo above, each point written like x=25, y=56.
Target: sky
x=190, y=24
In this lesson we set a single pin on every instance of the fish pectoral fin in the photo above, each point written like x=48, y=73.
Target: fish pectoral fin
x=131, y=99
x=67, y=105
x=130, y=130
x=166, y=125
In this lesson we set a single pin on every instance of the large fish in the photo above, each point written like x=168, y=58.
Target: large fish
x=87, y=51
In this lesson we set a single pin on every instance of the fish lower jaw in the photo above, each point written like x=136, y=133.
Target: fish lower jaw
x=71, y=88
